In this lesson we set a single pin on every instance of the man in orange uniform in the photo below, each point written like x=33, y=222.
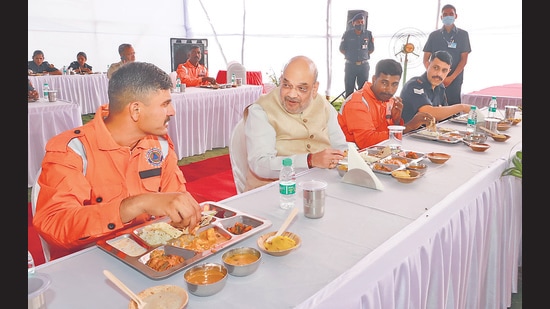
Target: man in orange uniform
x=118, y=170
x=366, y=114
x=192, y=73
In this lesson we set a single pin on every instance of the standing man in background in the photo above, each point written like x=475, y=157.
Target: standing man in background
x=357, y=44
x=127, y=54
x=455, y=41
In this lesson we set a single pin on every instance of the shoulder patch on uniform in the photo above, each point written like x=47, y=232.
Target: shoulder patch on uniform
x=154, y=156
x=418, y=91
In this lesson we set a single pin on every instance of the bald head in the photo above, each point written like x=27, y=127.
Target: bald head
x=303, y=65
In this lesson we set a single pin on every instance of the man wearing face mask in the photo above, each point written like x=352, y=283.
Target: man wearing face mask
x=455, y=41
x=357, y=44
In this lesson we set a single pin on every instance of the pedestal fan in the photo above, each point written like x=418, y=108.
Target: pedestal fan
x=406, y=45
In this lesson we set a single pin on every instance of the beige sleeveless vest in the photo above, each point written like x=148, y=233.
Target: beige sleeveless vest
x=295, y=133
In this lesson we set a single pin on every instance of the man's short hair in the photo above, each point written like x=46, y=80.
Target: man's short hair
x=448, y=6
x=388, y=67
x=442, y=55
x=122, y=47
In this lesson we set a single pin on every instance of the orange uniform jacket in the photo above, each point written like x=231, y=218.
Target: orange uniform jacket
x=191, y=75
x=74, y=209
x=365, y=124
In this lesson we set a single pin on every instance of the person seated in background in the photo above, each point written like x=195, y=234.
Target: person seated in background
x=80, y=66
x=127, y=54
x=116, y=171
x=39, y=66
x=293, y=120
x=33, y=94
x=426, y=93
x=191, y=72
x=365, y=116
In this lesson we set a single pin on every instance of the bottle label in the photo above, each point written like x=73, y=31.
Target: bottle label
x=287, y=189
x=471, y=121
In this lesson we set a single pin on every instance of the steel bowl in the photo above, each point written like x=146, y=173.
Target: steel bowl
x=242, y=261
x=205, y=279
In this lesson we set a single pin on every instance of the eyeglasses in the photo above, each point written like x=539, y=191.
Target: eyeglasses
x=303, y=89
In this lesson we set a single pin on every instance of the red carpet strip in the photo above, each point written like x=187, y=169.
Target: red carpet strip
x=207, y=180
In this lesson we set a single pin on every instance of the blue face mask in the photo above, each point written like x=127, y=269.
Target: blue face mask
x=448, y=20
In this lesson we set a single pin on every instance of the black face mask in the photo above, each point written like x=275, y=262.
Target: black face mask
x=358, y=27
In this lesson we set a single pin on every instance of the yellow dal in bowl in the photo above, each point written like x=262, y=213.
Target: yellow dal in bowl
x=280, y=243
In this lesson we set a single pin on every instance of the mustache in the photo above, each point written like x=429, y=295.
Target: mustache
x=437, y=77
x=293, y=100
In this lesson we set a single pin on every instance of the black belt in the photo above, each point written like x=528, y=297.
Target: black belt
x=357, y=62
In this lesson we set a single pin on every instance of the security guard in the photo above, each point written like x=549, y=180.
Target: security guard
x=357, y=44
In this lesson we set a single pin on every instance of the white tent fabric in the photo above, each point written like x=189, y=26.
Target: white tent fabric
x=263, y=35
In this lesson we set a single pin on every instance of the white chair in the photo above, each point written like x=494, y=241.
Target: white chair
x=173, y=76
x=237, y=69
x=238, y=156
x=34, y=197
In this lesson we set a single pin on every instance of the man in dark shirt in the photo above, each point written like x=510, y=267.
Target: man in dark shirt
x=38, y=65
x=357, y=44
x=455, y=41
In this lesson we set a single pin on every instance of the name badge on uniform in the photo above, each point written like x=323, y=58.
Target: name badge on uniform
x=451, y=45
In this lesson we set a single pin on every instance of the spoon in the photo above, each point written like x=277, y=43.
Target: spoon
x=141, y=304
x=284, y=226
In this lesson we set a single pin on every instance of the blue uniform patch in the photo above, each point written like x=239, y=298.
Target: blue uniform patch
x=154, y=156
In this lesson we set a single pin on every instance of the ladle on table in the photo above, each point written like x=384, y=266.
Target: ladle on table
x=284, y=225
x=491, y=133
x=141, y=304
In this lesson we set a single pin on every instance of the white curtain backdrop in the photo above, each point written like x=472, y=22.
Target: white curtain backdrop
x=263, y=35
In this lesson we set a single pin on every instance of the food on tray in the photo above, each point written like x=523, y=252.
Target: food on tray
x=429, y=133
x=205, y=240
x=396, y=161
x=368, y=158
x=431, y=126
x=412, y=155
x=382, y=153
x=239, y=228
x=127, y=245
x=160, y=261
x=159, y=233
x=381, y=167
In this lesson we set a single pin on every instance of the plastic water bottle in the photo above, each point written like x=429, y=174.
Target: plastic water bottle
x=46, y=89
x=178, y=85
x=233, y=81
x=472, y=119
x=287, y=185
x=31, y=265
x=64, y=70
x=492, y=111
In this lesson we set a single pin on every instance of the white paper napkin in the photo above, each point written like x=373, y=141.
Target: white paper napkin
x=359, y=173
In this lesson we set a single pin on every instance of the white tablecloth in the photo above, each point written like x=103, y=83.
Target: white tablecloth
x=45, y=120
x=205, y=118
x=510, y=94
x=89, y=90
x=452, y=239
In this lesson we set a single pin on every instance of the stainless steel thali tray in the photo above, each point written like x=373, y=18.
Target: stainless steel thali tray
x=391, y=162
x=130, y=248
x=443, y=137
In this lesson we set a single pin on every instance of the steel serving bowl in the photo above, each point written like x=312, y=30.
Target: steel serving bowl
x=205, y=279
x=242, y=261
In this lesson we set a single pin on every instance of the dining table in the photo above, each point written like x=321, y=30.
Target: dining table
x=87, y=90
x=450, y=239
x=509, y=94
x=205, y=117
x=45, y=120
x=252, y=77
